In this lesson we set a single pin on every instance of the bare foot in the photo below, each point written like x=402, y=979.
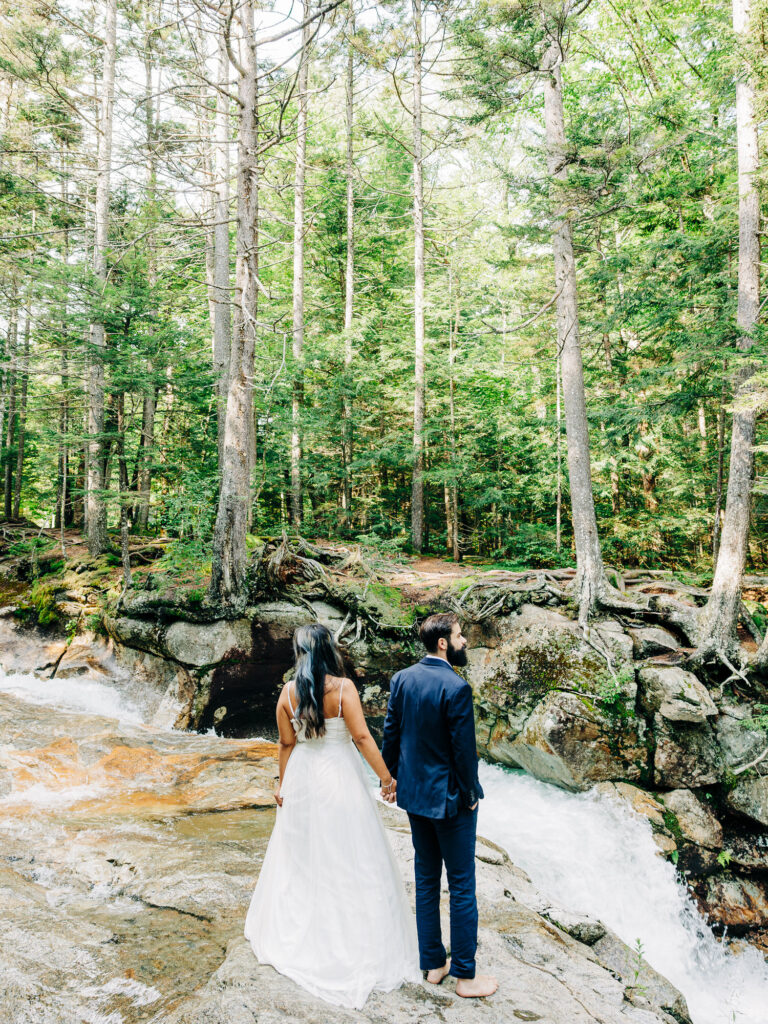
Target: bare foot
x=474, y=988
x=436, y=975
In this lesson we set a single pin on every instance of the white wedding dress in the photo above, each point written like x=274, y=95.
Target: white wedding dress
x=329, y=910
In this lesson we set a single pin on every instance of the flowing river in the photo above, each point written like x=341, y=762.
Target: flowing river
x=585, y=852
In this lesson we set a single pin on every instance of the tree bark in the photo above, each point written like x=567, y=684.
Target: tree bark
x=417, y=483
x=349, y=277
x=590, y=577
x=96, y=514
x=149, y=403
x=10, y=427
x=298, y=273
x=22, y=417
x=222, y=321
x=229, y=546
x=453, y=335
x=719, y=617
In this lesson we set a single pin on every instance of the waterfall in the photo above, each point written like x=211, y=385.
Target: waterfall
x=591, y=854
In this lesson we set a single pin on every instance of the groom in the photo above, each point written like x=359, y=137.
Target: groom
x=429, y=747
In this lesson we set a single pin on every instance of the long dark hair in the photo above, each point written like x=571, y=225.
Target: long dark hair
x=316, y=657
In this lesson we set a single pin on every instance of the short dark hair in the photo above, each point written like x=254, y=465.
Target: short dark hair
x=435, y=626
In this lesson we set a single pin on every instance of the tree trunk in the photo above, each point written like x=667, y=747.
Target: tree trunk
x=10, y=429
x=146, y=443
x=96, y=514
x=229, y=547
x=222, y=324
x=298, y=273
x=417, y=484
x=123, y=489
x=22, y=419
x=720, y=615
x=453, y=335
x=559, y=450
x=590, y=576
x=717, y=524
x=349, y=277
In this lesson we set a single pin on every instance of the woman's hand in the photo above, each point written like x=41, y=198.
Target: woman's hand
x=277, y=796
x=389, y=790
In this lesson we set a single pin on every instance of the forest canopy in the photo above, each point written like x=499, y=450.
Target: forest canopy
x=330, y=267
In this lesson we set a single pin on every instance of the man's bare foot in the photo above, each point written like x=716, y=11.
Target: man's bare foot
x=474, y=988
x=436, y=975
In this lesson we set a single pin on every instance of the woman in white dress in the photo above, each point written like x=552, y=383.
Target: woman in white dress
x=329, y=910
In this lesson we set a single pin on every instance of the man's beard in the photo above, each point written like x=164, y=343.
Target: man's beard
x=457, y=656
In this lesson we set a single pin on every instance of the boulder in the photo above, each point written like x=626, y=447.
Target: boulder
x=207, y=644
x=686, y=755
x=566, y=741
x=738, y=904
x=531, y=652
x=675, y=694
x=646, y=988
x=696, y=821
x=750, y=798
x=579, y=926
x=740, y=744
x=650, y=640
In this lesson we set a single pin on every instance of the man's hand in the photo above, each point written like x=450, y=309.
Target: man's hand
x=278, y=797
x=389, y=791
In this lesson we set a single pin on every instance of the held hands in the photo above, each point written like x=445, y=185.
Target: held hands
x=389, y=790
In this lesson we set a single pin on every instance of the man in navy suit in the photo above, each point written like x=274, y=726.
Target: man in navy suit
x=429, y=747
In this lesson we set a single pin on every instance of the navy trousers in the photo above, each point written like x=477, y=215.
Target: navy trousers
x=449, y=841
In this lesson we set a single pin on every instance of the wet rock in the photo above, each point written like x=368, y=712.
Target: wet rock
x=644, y=804
x=675, y=694
x=738, y=904
x=645, y=987
x=687, y=756
x=696, y=821
x=747, y=851
x=750, y=798
x=566, y=741
x=651, y=640
x=24, y=649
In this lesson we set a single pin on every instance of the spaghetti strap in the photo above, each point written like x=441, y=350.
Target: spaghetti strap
x=341, y=688
x=290, y=702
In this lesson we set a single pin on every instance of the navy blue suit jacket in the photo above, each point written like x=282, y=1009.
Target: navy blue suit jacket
x=429, y=740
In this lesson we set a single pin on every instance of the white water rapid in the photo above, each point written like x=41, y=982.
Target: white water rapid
x=593, y=855
x=77, y=693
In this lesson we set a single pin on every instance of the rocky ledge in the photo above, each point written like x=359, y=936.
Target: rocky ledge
x=127, y=861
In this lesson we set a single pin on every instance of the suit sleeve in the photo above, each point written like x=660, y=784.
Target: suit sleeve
x=390, y=746
x=461, y=726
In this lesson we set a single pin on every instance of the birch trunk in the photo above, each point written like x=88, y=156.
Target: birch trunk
x=720, y=615
x=229, y=547
x=417, y=483
x=590, y=577
x=96, y=512
x=298, y=273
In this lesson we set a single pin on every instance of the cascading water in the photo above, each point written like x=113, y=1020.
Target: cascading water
x=591, y=854
x=78, y=693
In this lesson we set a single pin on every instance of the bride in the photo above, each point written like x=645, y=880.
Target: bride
x=329, y=910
